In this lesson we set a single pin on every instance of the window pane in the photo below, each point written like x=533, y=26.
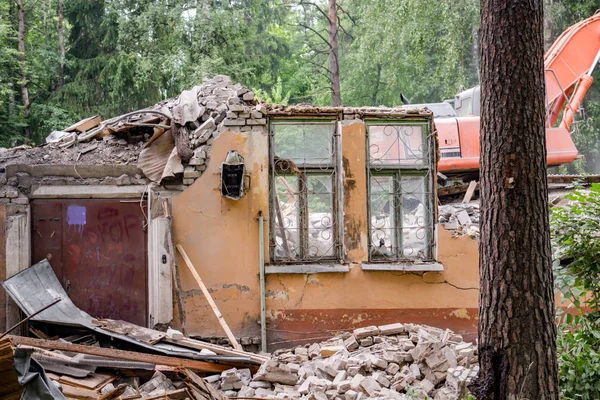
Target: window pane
x=383, y=225
x=287, y=218
x=320, y=216
x=396, y=145
x=416, y=220
x=303, y=144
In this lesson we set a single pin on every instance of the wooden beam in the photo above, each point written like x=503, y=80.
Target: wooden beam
x=199, y=345
x=209, y=298
x=470, y=192
x=85, y=124
x=119, y=354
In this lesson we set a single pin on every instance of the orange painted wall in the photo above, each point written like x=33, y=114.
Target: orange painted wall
x=221, y=238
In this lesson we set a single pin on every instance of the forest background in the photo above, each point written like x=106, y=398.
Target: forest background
x=78, y=58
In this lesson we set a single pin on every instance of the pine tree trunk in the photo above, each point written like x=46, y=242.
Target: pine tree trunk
x=334, y=72
x=376, y=86
x=21, y=49
x=517, y=335
x=61, y=46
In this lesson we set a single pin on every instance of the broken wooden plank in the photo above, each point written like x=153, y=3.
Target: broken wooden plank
x=125, y=328
x=91, y=382
x=76, y=392
x=120, y=354
x=199, y=345
x=470, y=192
x=199, y=386
x=178, y=394
x=209, y=298
x=85, y=124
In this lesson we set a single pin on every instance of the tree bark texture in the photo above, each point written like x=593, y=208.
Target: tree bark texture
x=61, y=46
x=334, y=72
x=21, y=49
x=517, y=335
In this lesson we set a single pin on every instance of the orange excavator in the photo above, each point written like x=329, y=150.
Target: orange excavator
x=569, y=65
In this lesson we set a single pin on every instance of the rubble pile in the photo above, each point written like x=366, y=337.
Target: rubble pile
x=460, y=218
x=396, y=361
x=170, y=142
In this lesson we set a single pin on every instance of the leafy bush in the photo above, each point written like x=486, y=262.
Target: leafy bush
x=576, y=243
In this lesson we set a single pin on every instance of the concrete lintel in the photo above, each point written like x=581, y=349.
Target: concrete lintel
x=433, y=266
x=88, y=192
x=306, y=269
x=79, y=171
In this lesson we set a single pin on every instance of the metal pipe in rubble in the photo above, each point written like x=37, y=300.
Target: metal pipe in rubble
x=263, y=301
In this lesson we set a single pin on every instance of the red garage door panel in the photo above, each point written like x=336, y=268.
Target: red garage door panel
x=101, y=259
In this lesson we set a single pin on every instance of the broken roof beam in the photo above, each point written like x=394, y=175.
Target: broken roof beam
x=120, y=354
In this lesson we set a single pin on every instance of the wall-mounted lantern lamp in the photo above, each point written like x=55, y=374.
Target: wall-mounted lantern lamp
x=234, y=180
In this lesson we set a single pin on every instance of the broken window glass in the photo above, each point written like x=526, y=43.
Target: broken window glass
x=303, y=196
x=400, y=193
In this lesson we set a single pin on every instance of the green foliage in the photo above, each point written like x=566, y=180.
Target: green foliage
x=123, y=55
x=423, y=49
x=579, y=358
x=576, y=243
x=575, y=234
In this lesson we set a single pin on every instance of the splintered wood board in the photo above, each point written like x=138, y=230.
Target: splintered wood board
x=74, y=392
x=85, y=125
x=145, y=335
x=94, y=381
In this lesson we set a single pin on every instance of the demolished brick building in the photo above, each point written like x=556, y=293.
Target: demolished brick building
x=346, y=195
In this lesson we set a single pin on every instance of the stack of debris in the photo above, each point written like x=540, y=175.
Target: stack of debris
x=397, y=361
x=101, y=359
x=169, y=142
x=460, y=218
x=73, y=374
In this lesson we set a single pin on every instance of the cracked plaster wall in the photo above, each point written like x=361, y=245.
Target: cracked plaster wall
x=221, y=238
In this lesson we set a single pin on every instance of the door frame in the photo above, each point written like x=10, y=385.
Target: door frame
x=159, y=282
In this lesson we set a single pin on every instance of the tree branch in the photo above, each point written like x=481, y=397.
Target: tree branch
x=316, y=33
x=309, y=3
x=347, y=14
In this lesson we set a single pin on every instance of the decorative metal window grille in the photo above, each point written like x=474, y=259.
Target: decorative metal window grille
x=304, y=165
x=400, y=192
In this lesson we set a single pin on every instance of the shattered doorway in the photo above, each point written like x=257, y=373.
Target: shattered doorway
x=98, y=250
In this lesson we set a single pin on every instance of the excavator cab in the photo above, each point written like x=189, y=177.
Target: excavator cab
x=568, y=69
x=467, y=103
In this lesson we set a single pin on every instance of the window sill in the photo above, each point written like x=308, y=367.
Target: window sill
x=306, y=269
x=432, y=266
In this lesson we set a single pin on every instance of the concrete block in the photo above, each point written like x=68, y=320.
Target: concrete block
x=379, y=362
x=341, y=376
x=370, y=386
x=234, y=122
x=343, y=386
x=391, y=329
x=366, y=342
x=260, y=121
x=382, y=379
x=340, y=364
x=362, y=333
x=356, y=381
x=351, y=343
x=20, y=200
x=392, y=368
